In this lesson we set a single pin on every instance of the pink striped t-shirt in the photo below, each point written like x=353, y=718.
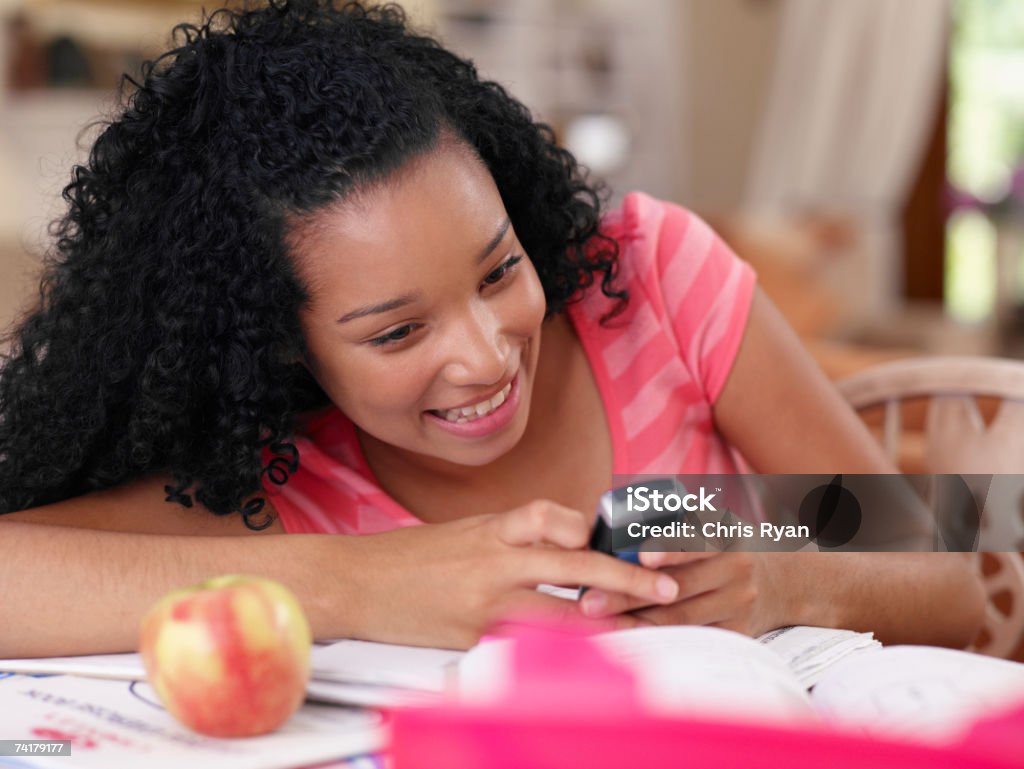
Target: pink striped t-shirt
x=659, y=367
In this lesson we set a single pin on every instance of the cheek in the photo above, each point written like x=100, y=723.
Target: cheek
x=352, y=381
x=530, y=303
x=371, y=385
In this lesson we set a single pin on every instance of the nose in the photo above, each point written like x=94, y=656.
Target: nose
x=478, y=350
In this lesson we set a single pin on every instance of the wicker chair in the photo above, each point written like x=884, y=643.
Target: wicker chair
x=958, y=415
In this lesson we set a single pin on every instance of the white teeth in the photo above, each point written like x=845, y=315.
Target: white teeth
x=469, y=413
x=498, y=399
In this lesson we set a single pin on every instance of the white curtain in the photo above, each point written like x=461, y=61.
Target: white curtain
x=847, y=120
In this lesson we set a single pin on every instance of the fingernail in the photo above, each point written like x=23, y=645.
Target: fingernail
x=651, y=560
x=594, y=603
x=666, y=587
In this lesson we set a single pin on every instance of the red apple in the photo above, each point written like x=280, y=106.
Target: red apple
x=228, y=657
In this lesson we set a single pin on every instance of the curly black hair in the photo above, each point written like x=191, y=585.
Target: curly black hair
x=167, y=330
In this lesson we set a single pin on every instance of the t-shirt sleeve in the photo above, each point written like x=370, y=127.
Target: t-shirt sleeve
x=706, y=290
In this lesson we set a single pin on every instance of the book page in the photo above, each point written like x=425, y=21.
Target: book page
x=708, y=671
x=810, y=651
x=917, y=692
x=123, y=667
x=342, y=672
x=385, y=665
x=121, y=725
x=697, y=671
x=368, y=695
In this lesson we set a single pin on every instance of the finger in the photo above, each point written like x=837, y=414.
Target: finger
x=696, y=577
x=626, y=621
x=599, y=571
x=560, y=611
x=543, y=522
x=529, y=605
x=715, y=607
x=660, y=560
x=598, y=603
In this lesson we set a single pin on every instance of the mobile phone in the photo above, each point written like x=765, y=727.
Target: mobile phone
x=610, y=533
x=614, y=516
x=602, y=536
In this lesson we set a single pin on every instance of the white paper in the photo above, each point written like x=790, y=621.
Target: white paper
x=390, y=665
x=121, y=725
x=696, y=671
x=568, y=593
x=810, y=651
x=918, y=692
x=346, y=671
x=367, y=696
x=911, y=692
x=705, y=670
x=122, y=667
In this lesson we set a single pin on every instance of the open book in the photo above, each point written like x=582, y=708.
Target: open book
x=353, y=672
x=913, y=692
x=793, y=674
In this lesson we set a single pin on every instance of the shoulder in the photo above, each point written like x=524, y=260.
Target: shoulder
x=660, y=241
x=668, y=253
x=643, y=219
x=684, y=279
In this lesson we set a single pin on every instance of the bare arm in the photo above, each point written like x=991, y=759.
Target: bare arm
x=785, y=417
x=779, y=409
x=139, y=507
x=89, y=567
x=84, y=591
x=81, y=573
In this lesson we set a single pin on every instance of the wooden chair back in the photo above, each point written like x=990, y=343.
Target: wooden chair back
x=959, y=415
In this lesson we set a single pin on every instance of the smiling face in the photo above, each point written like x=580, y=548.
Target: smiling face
x=425, y=313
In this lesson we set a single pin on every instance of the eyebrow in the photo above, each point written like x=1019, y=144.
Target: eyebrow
x=498, y=237
x=402, y=301
x=374, y=309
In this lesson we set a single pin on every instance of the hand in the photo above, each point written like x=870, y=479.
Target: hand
x=736, y=591
x=445, y=584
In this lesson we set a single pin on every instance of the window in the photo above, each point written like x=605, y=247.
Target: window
x=985, y=232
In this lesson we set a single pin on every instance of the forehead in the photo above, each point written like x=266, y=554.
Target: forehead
x=438, y=204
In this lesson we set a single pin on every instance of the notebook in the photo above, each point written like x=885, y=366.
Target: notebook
x=794, y=676
x=115, y=724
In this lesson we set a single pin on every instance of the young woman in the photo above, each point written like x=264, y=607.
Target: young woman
x=318, y=278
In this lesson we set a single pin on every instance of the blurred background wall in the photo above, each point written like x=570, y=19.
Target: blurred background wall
x=864, y=156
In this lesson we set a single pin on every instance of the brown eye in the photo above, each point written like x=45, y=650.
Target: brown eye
x=499, y=273
x=397, y=335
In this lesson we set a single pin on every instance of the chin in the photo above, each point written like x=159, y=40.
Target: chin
x=488, y=451
x=482, y=456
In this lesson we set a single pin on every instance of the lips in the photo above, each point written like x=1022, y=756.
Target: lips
x=476, y=410
x=475, y=427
